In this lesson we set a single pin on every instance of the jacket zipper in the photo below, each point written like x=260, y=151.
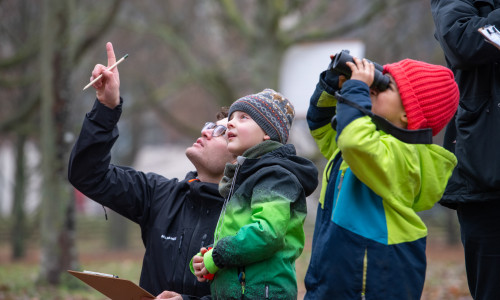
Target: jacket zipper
x=339, y=187
x=179, y=249
x=242, y=280
x=203, y=240
x=365, y=269
x=224, y=206
x=223, y=214
x=180, y=242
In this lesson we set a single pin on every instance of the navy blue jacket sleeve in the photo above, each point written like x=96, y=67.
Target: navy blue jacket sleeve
x=355, y=91
x=318, y=117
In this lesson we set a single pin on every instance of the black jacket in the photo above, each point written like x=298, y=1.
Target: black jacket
x=177, y=217
x=474, y=134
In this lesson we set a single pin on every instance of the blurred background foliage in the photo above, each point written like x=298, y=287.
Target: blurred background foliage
x=187, y=59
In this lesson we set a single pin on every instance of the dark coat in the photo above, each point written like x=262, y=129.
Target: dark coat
x=177, y=217
x=474, y=134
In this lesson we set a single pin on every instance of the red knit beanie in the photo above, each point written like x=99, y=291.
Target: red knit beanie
x=429, y=93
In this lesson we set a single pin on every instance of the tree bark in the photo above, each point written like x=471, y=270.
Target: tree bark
x=18, y=230
x=58, y=252
x=452, y=228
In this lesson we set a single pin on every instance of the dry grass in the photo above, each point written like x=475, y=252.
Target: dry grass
x=445, y=278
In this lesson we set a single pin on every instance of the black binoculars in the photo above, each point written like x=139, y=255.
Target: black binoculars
x=380, y=81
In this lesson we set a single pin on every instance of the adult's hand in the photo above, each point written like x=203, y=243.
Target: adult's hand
x=166, y=295
x=108, y=87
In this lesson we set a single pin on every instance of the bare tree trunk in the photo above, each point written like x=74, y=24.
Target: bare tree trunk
x=452, y=228
x=118, y=234
x=50, y=223
x=18, y=230
x=119, y=227
x=58, y=225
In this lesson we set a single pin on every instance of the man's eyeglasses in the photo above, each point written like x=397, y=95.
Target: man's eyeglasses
x=218, y=130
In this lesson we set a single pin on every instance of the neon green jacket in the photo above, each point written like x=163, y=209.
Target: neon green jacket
x=408, y=177
x=369, y=240
x=260, y=232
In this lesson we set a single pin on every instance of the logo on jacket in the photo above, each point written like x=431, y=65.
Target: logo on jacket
x=172, y=238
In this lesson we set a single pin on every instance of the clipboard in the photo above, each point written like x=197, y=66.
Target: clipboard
x=111, y=286
x=491, y=34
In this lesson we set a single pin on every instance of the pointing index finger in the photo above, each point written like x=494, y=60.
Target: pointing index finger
x=111, y=54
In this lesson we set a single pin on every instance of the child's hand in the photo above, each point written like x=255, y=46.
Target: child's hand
x=362, y=70
x=199, y=266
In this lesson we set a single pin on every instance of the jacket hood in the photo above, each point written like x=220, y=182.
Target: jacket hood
x=286, y=157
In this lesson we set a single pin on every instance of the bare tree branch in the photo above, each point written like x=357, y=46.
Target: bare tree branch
x=19, y=82
x=20, y=116
x=232, y=16
x=178, y=44
x=376, y=8
x=319, y=10
x=211, y=78
x=92, y=37
x=28, y=51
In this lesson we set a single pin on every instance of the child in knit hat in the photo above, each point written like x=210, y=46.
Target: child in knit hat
x=369, y=241
x=260, y=231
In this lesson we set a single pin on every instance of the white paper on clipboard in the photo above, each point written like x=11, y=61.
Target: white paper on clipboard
x=491, y=34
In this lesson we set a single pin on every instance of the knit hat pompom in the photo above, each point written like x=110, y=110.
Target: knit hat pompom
x=429, y=93
x=270, y=110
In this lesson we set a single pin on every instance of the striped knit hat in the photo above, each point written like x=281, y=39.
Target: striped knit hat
x=270, y=110
x=429, y=93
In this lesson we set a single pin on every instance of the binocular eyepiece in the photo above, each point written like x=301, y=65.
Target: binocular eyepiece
x=380, y=81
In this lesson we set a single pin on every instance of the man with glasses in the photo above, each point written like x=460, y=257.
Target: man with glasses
x=177, y=217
